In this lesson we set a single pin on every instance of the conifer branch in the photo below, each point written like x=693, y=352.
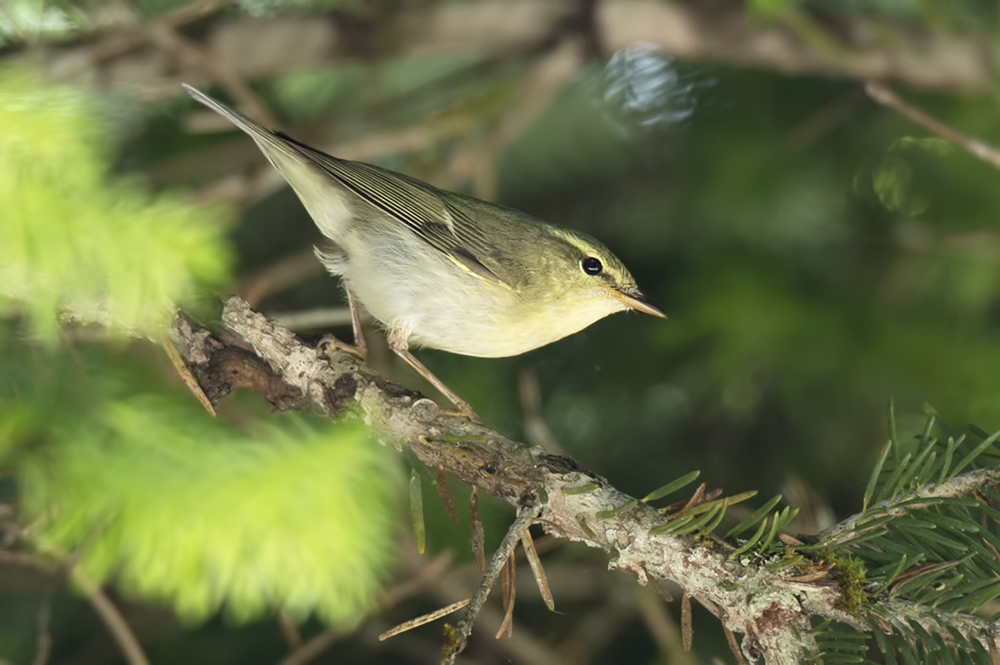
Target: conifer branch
x=769, y=589
x=984, y=631
x=964, y=484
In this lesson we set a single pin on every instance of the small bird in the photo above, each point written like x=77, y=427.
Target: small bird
x=443, y=270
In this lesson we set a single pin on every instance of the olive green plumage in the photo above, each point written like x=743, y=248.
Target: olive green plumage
x=444, y=270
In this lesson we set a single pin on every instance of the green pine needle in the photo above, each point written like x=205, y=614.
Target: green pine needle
x=870, y=490
x=976, y=452
x=672, y=486
x=754, y=517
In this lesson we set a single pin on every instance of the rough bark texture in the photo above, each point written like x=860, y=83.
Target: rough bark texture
x=771, y=609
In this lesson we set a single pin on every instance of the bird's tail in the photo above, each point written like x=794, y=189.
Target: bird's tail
x=264, y=137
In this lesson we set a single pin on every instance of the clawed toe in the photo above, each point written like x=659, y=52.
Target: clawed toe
x=331, y=342
x=461, y=412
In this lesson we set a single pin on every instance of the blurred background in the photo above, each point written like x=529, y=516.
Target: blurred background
x=817, y=255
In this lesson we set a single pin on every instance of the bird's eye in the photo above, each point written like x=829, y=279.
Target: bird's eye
x=592, y=266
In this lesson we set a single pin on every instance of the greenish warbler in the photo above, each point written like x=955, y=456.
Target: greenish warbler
x=444, y=270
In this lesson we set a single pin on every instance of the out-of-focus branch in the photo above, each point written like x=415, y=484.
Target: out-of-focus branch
x=887, y=97
x=54, y=571
x=772, y=611
x=203, y=59
x=112, y=618
x=254, y=48
x=426, y=573
x=119, y=40
x=537, y=92
x=795, y=43
x=223, y=160
x=44, y=649
x=662, y=628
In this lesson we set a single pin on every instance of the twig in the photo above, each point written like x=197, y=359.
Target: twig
x=280, y=275
x=460, y=637
x=423, y=620
x=312, y=319
x=734, y=645
x=444, y=495
x=111, y=617
x=289, y=630
x=536, y=429
x=186, y=375
x=826, y=119
x=961, y=485
x=874, y=50
x=508, y=585
x=291, y=374
x=975, y=147
x=536, y=93
x=662, y=627
x=523, y=647
x=169, y=39
x=120, y=44
x=537, y=570
x=319, y=643
x=428, y=573
x=44, y=648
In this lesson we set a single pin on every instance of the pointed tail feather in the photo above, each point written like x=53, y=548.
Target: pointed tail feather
x=263, y=136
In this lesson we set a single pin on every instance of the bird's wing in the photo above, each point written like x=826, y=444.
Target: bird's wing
x=413, y=203
x=417, y=205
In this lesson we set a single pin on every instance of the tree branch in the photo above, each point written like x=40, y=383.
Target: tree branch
x=772, y=609
x=797, y=43
x=975, y=147
x=772, y=606
x=964, y=484
x=112, y=618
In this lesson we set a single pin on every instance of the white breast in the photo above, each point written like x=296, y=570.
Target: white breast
x=441, y=306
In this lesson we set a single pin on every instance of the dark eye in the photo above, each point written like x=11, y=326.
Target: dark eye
x=592, y=266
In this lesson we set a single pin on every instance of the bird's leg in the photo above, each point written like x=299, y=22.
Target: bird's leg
x=400, y=346
x=360, y=348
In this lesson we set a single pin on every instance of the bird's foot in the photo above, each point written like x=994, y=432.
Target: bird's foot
x=330, y=342
x=462, y=410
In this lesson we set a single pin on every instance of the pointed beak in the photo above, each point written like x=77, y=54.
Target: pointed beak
x=636, y=302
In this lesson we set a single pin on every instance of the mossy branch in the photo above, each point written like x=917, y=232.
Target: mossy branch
x=773, y=593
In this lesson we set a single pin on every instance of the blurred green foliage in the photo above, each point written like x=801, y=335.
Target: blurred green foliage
x=118, y=469
x=74, y=242
x=817, y=256
x=180, y=508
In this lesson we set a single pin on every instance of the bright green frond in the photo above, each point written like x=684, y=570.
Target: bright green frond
x=73, y=241
x=181, y=508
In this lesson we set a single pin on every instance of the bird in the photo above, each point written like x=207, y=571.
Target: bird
x=443, y=270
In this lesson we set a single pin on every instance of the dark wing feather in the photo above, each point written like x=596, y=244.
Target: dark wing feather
x=415, y=204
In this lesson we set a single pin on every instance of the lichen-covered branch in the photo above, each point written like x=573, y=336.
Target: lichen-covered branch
x=771, y=609
x=964, y=484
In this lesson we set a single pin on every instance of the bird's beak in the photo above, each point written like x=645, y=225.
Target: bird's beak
x=636, y=302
